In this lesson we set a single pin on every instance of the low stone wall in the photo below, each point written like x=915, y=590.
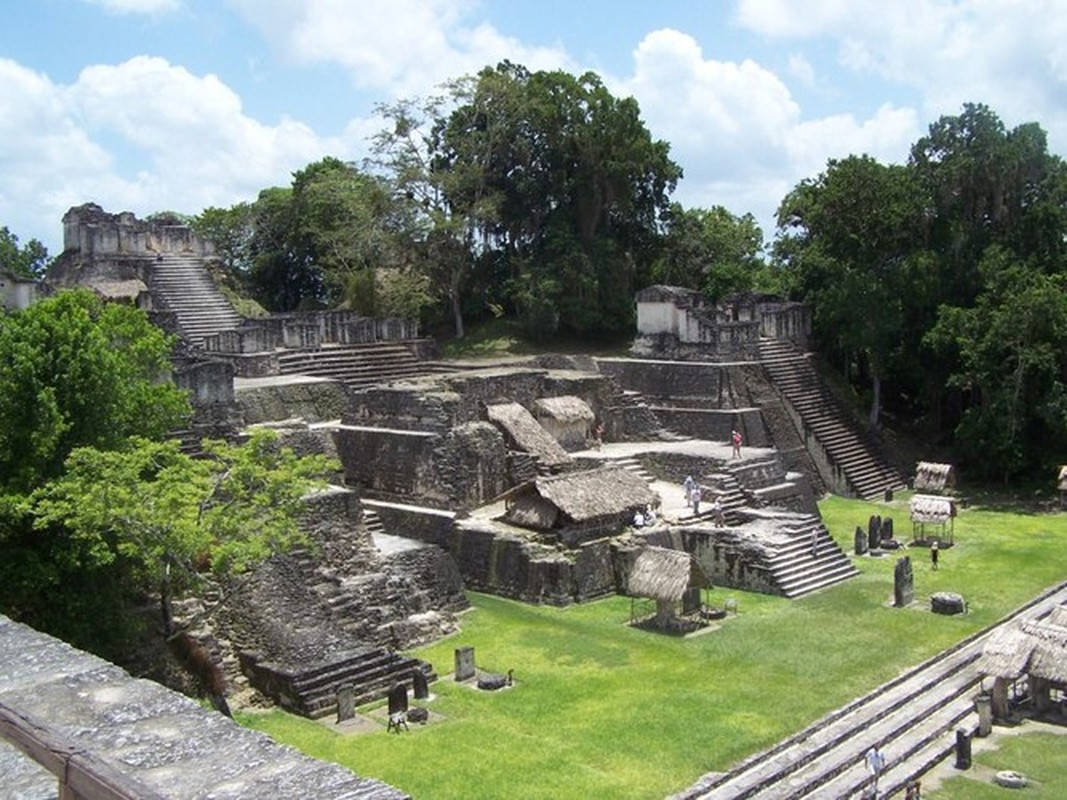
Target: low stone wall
x=105, y=734
x=728, y=556
x=310, y=399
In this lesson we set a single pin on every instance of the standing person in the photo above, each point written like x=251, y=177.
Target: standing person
x=875, y=764
x=814, y=542
x=688, y=487
x=934, y=554
x=735, y=438
x=696, y=500
x=716, y=509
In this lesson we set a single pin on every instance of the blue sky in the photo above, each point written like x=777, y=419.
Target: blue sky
x=151, y=105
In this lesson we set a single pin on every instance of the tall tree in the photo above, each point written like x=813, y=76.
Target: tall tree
x=710, y=250
x=849, y=239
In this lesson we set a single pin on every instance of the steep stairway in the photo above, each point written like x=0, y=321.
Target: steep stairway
x=185, y=287
x=356, y=365
x=849, y=448
x=811, y=561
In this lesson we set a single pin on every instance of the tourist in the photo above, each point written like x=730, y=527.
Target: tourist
x=735, y=438
x=650, y=515
x=598, y=441
x=717, y=511
x=639, y=519
x=934, y=553
x=875, y=764
x=695, y=497
x=687, y=486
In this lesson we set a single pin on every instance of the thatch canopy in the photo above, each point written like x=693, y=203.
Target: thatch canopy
x=1034, y=647
x=527, y=433
x=118, y=289
x=664, y=575
x=928, y=508
x=576, y=497
x=931, y=477
x=566, y=409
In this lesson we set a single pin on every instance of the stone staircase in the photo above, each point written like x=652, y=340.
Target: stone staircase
x=848, y=447
x=312, y=691
x=632, y=465
x=186, y=289
x=912, y=719
x=356, y=365
x=798, y=568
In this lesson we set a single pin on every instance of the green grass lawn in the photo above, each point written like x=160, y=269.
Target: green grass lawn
x=602, y=710
x=1040, y=757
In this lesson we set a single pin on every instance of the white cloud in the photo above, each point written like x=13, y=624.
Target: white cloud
x=403, y=47
x=737, y=131
x=187, y=144
x=1009, y=55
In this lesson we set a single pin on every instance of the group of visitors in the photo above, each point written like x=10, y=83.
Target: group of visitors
x=642, y=519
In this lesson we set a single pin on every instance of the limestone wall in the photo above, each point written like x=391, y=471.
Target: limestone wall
x=98, y=728
x=310, y=399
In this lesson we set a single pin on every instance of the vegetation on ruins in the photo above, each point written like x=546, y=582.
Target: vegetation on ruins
x=940, y=284
x=95, y=512
x=601, y=709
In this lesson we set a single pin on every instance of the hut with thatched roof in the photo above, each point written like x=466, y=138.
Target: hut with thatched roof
x=664, y=576
x=568, y=419
x=934, y=478
x=1034, y=649
x=578, y=506
x=525, y=434
x=933, y=517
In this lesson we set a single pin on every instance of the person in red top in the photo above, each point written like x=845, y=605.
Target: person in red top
x=735, y=436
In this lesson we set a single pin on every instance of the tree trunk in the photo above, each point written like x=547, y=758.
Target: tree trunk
x=876, y=399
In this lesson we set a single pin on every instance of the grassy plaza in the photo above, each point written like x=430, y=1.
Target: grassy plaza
x=600, y=709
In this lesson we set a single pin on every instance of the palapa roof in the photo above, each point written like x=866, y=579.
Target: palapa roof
x=663, y=574
x=565, y=408
x=118, y=289
x=527, y=433
x=608, y=491
x=1033, y=647
x=931, y=477
x=932, y=508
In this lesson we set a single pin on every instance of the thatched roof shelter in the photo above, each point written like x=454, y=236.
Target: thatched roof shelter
x=118, y=289
x=527, y=434
x=567, y=409
x=932, y=509
x=1037, y=648
x=931, y=477
x=664, y=575
x=929, y=508
x=609, y=493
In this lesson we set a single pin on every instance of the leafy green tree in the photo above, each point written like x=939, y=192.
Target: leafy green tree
x=165, y=520
x=77, y=372
x=710, y=250
x=849, y=240
x=28, y=261
x=1010, y=349
x=283, y=274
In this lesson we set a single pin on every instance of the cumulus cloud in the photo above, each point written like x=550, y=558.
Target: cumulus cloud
x=401, y=47
x=738, y=132
x=1009, y=56
x=188, y=143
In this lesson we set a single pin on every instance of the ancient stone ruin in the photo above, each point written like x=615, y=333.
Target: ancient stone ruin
x=519, y=478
